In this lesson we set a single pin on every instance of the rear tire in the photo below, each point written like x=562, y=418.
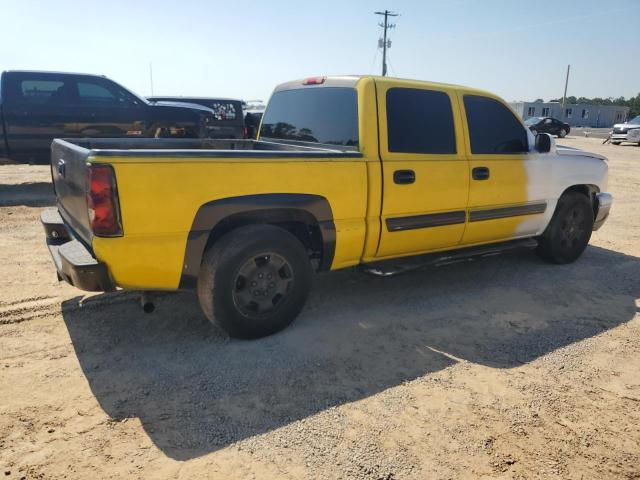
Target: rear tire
x=254, y=281
x=569, y=231
x=563, y=133
x=615, y=143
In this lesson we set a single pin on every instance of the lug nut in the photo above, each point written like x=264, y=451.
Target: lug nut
x=260, y=275
x=253, y=284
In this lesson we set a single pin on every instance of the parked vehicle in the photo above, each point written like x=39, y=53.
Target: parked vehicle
x=549, y=125
x=626, y=132
x=384, y=173
x=37, y=107
x=252, y=123
x=228, y=120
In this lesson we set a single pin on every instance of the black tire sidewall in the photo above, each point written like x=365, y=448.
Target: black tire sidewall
x=551, y=241
x=245, y=244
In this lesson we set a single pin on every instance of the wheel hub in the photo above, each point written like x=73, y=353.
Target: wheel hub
x=262, y=283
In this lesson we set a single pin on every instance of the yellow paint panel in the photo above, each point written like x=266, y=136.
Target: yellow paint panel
x=159, y=201
x=441, y=182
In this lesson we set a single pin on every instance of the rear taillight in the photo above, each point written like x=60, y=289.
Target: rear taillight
x=102, y=201
x=314, y=81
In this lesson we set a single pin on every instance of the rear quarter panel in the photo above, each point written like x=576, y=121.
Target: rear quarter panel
x=159, y=198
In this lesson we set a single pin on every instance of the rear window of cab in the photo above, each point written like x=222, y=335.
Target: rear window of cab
x=324, y=115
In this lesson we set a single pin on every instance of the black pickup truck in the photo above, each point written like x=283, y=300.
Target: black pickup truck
x=228, y=119
x=36, y=107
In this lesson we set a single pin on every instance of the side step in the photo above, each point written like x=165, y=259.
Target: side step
x=387, y=268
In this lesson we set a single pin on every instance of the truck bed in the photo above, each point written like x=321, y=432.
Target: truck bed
x=69, y=159
x=202, y=147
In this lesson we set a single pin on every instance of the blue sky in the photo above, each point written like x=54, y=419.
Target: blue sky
x=517, y=49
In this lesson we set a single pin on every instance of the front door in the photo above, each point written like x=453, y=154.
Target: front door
x=107, y=110
x=508, y=183
x=424, y=168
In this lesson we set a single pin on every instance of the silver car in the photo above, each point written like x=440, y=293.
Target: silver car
x=626, y=132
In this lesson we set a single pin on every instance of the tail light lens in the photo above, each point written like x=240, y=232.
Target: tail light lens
x=102, y=202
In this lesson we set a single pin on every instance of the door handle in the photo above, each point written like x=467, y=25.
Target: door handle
x=404, y=177
x=480, y=173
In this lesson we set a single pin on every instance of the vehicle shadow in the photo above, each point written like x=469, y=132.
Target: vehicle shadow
x=196, y=391
x=36, y=194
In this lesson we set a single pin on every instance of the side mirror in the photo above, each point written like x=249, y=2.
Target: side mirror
x=543, y=143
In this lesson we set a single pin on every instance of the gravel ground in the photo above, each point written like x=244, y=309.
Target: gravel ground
x=504, y=368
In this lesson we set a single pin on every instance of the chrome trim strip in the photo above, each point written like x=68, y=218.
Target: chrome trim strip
x=505, y=212
x=399, y=224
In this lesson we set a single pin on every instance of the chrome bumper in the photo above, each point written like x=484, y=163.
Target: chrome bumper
x=603, y=206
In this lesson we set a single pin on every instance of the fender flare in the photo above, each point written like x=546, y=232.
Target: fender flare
x=212, y=213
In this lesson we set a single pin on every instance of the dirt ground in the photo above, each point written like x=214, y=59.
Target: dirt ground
x=504, y=368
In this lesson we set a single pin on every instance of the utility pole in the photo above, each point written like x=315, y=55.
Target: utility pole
x=566, y=83
x=384, y=42
x=151, y=77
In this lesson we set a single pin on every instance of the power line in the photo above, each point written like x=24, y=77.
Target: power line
x=383, y=42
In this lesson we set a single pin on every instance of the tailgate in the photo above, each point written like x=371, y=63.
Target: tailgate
x=69, y=173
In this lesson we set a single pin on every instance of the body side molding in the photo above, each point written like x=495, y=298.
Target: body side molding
x=212, y=213
x=504, y=212
x=398, y=224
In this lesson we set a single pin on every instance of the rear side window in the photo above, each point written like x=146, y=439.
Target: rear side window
x=493, y=128
x=224, y=110
x=320, y=115
x=42, y=92
x=419, y=121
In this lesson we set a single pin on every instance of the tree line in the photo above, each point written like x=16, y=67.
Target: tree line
x=632, y=102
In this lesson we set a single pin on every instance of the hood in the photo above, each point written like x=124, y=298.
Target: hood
x=627, y=125
x=576, y=152
x=182, y=105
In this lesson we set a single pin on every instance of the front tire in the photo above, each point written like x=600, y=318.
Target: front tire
x=569, y=231
x=254, y=281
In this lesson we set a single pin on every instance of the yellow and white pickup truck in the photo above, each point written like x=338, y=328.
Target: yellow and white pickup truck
x=384, y=173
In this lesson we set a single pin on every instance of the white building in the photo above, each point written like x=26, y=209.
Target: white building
x=576, y=115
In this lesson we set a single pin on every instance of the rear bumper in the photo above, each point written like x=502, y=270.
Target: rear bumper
x=73, y=261
x=604, y=202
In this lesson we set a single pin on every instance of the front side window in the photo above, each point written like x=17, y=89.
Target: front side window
x=326, y=115
x=493, y=128
x=94, y=94
x=420, y=121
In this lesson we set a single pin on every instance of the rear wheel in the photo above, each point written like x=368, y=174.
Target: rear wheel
x=563, y=133
x=254, y=281
x=615, y=143
x=569, y=231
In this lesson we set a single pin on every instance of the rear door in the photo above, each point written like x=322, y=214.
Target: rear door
x=425, y=171
x=508, y=184
x=37, y=109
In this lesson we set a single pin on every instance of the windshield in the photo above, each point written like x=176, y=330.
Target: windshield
x=532, y=121
x=635, y=121
x=320, y=115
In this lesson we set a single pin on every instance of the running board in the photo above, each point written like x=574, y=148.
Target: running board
x=387, y=268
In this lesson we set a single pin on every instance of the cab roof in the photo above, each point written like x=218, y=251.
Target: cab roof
x=352, y=81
